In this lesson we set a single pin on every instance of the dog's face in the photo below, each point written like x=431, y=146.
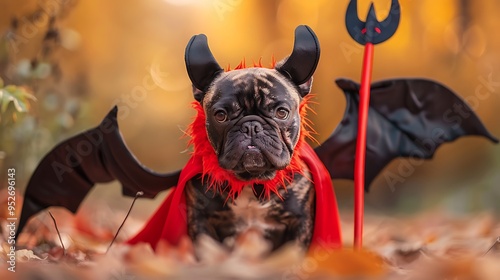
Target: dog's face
x=253, y=121
x=252, y=115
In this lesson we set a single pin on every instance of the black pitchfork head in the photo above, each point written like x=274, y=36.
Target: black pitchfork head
x=372, y=31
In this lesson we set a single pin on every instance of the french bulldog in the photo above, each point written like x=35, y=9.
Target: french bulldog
x=253, y=125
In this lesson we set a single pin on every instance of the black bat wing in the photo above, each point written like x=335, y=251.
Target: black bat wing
x=99, y=155
x=406, y=118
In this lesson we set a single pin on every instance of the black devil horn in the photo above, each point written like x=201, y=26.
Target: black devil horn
x=372, y=31
x=302, y=63
x=201, y=65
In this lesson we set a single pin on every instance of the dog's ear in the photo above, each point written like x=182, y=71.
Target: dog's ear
x=201, y=65
x=305, y=88
x=301, y=64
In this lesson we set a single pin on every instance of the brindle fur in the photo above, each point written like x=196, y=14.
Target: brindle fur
x=279, y=220
x=253, y=143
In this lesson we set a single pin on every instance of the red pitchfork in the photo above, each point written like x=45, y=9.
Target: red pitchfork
x=366, y=33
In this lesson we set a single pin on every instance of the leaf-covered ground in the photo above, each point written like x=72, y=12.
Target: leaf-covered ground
x=426, y=246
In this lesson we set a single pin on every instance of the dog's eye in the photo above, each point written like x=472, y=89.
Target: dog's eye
x=220, y=116
x=281, y=113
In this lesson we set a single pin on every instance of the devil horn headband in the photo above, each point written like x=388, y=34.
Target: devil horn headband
x=202, y=67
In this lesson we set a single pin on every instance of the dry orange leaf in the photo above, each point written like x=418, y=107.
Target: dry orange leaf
x=345, y=262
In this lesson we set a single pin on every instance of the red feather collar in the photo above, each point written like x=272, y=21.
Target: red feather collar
x=218, y=176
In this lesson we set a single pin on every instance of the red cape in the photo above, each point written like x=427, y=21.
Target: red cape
x=169, y=222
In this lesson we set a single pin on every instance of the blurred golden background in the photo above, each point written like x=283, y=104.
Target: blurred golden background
x=79, y=58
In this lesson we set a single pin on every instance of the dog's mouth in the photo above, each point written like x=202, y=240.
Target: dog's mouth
x=256, y=175
x=254, y=149
x=253, y=165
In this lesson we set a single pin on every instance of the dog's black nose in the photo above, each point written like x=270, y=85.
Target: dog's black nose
x=251, y=128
